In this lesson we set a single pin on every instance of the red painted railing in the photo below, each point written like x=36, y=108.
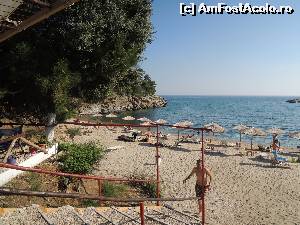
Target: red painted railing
x=200, y=130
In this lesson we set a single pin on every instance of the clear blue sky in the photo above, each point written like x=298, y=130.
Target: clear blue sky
x=224, y=54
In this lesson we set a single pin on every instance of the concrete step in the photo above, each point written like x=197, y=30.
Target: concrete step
x=68, y=215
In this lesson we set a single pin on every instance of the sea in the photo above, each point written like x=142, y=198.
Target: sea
x=228, y=111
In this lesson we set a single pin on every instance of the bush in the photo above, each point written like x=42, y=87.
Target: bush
x=113, y=190
x=90, y=203
x=79, y=158
x=72, y=132
x=34, y=181
x=149, y=189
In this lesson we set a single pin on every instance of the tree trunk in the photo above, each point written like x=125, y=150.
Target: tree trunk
x=49, y=131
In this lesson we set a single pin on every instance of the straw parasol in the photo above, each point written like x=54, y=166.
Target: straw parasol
x=146, y=124
x=254, y=132
x=275, y=132
x=161, y=121
x=182, y=124
x=111, y=115
x=295, y=135
x=97, y=115
x=128, y=118
x=144, y=119
x=240, y=128
x=216, y=128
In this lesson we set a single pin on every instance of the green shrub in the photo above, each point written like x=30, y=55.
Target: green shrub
x=34, y=181
x=72, y=132
x=113, y=190
x=79, y=158
x=148, y=189
x=90, y=203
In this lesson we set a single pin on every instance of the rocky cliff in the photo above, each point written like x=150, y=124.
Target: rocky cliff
x=123, y=103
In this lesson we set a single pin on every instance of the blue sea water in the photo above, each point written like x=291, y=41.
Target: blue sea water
x=261, y=112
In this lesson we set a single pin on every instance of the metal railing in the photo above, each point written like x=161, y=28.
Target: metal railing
x=99, y=179
x=200, y=131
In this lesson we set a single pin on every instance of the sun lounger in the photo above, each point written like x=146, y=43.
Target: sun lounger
x=278, y=160
x=115, y=147
x=113, y=129
x=126, y=138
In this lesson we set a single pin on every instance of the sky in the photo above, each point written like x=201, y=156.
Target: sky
x=224, y=54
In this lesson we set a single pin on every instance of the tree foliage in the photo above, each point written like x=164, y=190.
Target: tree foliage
x=89, y=51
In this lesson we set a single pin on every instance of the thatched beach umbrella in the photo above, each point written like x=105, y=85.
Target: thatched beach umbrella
x=215, y=128
x=128, y=118
x=241, y=128
x=160, y=121
x=275, y=132
x=295, y=135
x=254, y=132
x=182, y=124
x=146, y=124
x=97, y=115
x=111, y=115
x=144, y=119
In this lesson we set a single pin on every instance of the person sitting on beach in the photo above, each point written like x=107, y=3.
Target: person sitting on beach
x=201, y=185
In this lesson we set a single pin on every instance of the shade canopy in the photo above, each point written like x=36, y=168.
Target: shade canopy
x=241, y=128
x=128, y=118
x=161, y=121
x=295, y=135
x=97, y=115
x=254, y=132
x=183, y=124
x=275, y=131
x=215, y=128
x=146, y=124
x=144, y=119
x=111, y=115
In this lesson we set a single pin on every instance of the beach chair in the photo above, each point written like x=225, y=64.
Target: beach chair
x=126, y=138
x=278, y=160
x=113, y=129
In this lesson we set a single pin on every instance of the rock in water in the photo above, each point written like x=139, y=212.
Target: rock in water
x=295, y=100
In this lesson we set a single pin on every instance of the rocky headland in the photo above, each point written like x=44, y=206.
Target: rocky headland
x=295, y=100
x=122, y=104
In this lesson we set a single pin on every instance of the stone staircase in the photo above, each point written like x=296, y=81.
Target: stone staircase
x=68, y=215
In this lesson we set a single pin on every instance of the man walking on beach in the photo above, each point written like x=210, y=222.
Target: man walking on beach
x=202, y=183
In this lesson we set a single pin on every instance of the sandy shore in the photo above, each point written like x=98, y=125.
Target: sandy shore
x=245, y=189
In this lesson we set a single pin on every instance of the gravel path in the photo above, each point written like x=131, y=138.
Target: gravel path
x=65, y=215
x=23, y=216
